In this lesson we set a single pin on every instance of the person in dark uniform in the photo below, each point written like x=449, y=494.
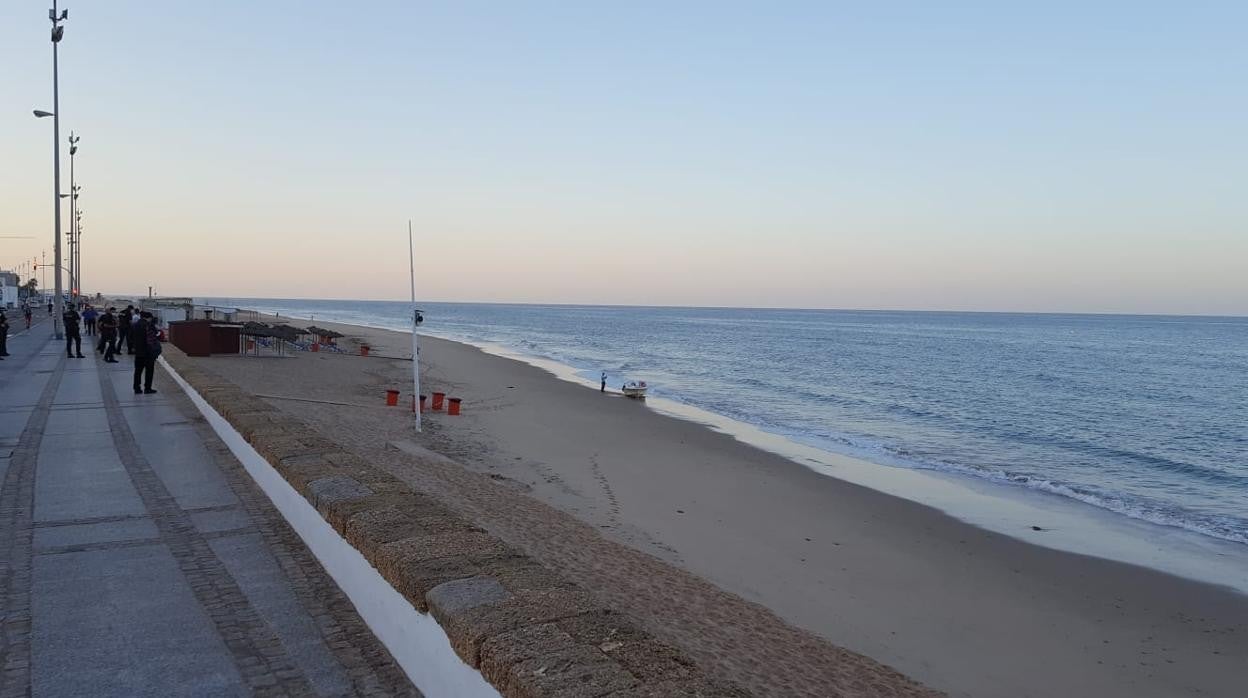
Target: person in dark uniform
x=4, y=336
x=108, y=336
x=73, y=338
x=145, y=341
x=123, y=328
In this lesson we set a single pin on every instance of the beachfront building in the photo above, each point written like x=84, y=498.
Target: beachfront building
x=9, y=283
x=215, y=312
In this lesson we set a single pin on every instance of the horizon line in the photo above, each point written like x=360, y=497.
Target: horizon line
x=728, y=307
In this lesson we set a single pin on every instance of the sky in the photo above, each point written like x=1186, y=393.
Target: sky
x=1064, y=156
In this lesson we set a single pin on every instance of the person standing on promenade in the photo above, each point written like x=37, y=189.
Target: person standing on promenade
x=603, y=388
x=88, y=318
x=26, y=313
x=145, y=342
x=73, y=338
x=4, y=336
x=123, y=328
x=108, y=335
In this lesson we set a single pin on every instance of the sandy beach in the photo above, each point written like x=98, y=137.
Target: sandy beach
x=777, y=577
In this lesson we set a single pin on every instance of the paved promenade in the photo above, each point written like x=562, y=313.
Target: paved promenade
x=137, y=558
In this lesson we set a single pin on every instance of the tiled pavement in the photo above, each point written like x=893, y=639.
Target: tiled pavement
x=137, y=558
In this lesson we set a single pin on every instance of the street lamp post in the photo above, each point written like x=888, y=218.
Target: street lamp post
x=78, y=253
x=73, y=217
x=57, y=32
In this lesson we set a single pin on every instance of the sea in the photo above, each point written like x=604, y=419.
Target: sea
x=1139, y=415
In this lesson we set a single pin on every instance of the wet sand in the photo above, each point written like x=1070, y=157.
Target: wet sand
x=643, y=507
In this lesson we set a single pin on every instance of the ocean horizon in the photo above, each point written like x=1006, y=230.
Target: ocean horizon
x=1140, y=415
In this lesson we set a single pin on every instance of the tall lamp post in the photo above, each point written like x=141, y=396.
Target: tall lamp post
x=73, y=217
x=57, y=32
x=78, y=253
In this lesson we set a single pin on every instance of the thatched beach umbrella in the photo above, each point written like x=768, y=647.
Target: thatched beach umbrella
x=326, y=336
x=287, y=333
x=256, y=329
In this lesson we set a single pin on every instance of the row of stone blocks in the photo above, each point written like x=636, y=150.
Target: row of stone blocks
x=528, y=631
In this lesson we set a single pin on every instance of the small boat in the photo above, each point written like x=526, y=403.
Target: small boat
x=634, y=389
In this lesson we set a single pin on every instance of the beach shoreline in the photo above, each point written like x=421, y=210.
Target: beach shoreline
x=956, y=606
x=1033, y=516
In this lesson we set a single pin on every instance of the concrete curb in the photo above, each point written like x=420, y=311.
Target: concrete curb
x=528, y=632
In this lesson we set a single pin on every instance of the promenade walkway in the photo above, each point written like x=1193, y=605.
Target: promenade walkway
x=137, y=558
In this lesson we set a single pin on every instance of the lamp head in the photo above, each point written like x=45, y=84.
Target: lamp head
x=41, y=113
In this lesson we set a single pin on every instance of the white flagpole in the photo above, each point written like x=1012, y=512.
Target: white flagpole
x=411, y=265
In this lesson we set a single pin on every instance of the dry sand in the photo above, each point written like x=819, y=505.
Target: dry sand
x=602, y=487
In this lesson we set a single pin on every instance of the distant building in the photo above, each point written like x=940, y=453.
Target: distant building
x=9, y=283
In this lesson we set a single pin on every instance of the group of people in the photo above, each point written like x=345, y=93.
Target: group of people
x=135, y=331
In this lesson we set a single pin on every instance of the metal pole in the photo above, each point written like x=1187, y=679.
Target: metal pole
x=73, y=214
x=77, y=247
x=56, y=175
x=411, y=266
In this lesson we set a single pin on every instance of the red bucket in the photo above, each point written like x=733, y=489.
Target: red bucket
x=437, y=401
x=452, y=407
x=392, y=398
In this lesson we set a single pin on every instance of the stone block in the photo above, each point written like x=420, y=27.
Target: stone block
x=233, y=405
x=578, y=672
x=542, y=660
x=469, y=628
x=302, y=469
x=417, y=515
x=278, y=446
x=462, y=595
x=465, y=540
x=524, y=574
x=618, y=638
x=416, y=564
x=327, y=491
x=692, y=688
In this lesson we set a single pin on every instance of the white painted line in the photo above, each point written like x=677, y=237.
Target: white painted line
x=418, y=643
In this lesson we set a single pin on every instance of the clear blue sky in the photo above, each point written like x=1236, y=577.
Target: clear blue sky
x=1055, y=156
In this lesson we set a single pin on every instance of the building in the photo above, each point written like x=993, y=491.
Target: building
x=9, y=283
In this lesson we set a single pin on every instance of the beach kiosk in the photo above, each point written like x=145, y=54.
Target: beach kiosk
x=205, y=337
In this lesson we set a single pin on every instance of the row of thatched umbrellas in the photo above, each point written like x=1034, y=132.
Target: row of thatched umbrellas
x=287, y=332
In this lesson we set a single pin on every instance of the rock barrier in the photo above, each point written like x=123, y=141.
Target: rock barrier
x=529, y=632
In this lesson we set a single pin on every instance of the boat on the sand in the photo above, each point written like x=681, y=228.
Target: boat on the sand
x=634, y=389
